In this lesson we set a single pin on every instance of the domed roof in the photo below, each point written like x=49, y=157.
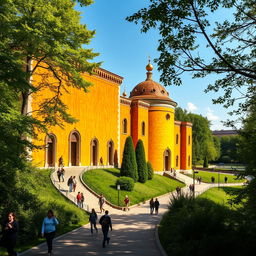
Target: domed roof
x=150, y=89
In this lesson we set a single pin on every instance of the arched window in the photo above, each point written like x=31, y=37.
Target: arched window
x=50, y=143
x=177, y=138
x=188, y=161
x=143, y=128
x=125, y=126
x=110, y=150
x=177, y=161
x=74, y=148
x=189, y=140
x=95, y=152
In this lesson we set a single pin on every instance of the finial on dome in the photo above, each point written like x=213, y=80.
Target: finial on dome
x=149, y=67
x=124, y=93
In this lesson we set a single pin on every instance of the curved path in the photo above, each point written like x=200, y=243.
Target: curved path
x=133, y=231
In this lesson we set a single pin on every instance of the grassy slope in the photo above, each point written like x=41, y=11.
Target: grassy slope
x=103, y=181
x=206, y=177
x=219, y=195
x=69, y=215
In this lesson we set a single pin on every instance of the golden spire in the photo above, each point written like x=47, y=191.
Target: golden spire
x=149, y=68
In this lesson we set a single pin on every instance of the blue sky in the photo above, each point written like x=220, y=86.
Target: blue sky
x=124, y=50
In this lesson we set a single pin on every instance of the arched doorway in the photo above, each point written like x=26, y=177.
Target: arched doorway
x=94, y=152
x=167, y=160
x=74, y=146
x=110, y=149
x=50, y=150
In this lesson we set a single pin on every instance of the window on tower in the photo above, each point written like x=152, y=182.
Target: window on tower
x=177, y=138
x=125, y=126
x=143, y=129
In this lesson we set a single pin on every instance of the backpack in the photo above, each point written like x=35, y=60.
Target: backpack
x=105, y=221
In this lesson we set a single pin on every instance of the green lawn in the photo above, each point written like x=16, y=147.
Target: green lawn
x=103, y=181
x=206, y=177
x=219, y=195
x=70, y=216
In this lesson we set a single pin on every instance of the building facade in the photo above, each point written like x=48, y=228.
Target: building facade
x=106, y=119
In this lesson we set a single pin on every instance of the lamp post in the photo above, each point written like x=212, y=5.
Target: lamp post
x=118, y=190
x=218, y=179
x=194, y=172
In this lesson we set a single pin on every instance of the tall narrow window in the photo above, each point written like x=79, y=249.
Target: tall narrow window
x=188, y=160
x=125, y=126
x=189, y=140
x=177, y=161
x=177, y=138
x=143, y=128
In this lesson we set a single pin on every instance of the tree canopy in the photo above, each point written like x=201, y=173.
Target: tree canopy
x=39, y=37
x=193, y=38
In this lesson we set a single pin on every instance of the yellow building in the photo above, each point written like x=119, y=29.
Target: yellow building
x=105, y=121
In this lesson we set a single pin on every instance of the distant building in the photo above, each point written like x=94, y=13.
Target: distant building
x=222, y=133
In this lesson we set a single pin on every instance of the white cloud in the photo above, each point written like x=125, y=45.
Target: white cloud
x=210, y=115
x=191, y=107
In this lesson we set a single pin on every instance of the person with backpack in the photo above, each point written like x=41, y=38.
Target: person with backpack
x=93, y=218
x=70, y=184
x=105, y=222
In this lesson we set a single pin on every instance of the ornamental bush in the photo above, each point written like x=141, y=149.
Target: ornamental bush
x=129, y=165
x=141, y=162
x=206, y=165
x=150, y=171
x=126, y=183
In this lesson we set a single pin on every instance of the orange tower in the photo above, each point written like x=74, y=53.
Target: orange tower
x=159, y=114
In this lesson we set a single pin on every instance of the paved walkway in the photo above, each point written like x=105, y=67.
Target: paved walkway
x=133, y=231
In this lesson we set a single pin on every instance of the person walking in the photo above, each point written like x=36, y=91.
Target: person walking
x=157, y=204
x=105, y=222
x=10, y=232
x=59, y=174
x=70, y=183
x=62, y=171
x=61, y=162
x=151, y=205
x=82, y=200
x=126, y=202
x=93, y=218
x=212, y=179
x=78, y=199
x=74, y=183
x=101, y=202
x=226, y=179
x=48, y=229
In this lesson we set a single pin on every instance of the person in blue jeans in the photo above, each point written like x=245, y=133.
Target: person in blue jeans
x=49, y=229
x=105, y=222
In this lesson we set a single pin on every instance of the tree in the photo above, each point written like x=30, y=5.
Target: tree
x=44, y=38
x=150, y=171
x=206, y=164
x=186, y=30
x=129, y=166
x=230, y=149
x=216, y=142
x=141, y=162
